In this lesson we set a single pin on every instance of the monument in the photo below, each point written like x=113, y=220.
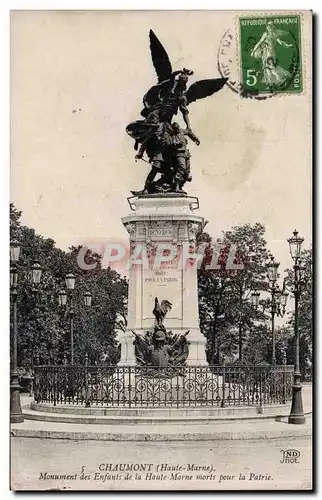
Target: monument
x=163, y=225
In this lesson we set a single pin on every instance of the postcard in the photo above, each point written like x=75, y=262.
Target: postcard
x=161, y=250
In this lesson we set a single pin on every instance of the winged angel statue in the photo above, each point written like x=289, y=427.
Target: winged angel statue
x=163, y=141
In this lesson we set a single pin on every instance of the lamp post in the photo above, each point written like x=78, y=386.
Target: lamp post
x=35, y=275
x=277, y=303
x=70, y=285
x=297, y=415
x=66, y=299
x=16, y=415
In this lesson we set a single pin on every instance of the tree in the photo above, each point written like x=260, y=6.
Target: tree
x=43, y=327
x=227, y=316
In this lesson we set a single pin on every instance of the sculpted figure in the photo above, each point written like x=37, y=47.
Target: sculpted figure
x=155, y=143
x=169, y=156
x=160, y=310
x=181, y=155
x=159, y=348
x=163, y=101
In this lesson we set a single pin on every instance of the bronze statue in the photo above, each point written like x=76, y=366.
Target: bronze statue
x=181, y=155
x=159, y=348
x=169, y=156
x=161, y=103
x=160, y=310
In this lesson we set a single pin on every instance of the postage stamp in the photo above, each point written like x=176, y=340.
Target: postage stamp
x=270, y=54
x=157, y=300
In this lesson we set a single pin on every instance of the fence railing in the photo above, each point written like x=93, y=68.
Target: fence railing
x=134, y=386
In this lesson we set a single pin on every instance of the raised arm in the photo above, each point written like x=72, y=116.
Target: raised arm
x=284, y=44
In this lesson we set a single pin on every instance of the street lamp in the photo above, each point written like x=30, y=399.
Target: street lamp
x=272, y=268
x=62, y=298
x=297, y=415
x=14, y=251
x=255, y=298
x=67, y=299
x=87, y=299
x=70, y=281
x=36, y=272
x=70, y=284
x=35, y=275
x=16, y=415
x=277, y=303
x=295, y=243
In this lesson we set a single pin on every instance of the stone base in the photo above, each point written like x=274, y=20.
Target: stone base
x=154, y=415
x=164, y=228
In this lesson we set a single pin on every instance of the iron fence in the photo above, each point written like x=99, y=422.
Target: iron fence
x=133, y=386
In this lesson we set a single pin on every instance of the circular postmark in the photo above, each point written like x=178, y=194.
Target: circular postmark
x=228, y=66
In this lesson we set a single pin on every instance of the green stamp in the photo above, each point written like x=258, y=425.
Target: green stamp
x=270, y=54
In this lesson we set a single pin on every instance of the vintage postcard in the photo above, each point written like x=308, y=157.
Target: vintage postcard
x=161, y=250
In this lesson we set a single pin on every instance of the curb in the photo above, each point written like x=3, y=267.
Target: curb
x=219, y=435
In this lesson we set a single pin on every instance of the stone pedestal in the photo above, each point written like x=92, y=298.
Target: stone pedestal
x=161, y=225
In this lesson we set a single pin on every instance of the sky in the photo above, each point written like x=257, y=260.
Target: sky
x=77, y=80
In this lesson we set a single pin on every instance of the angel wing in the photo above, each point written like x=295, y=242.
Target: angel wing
x=160, y=58
x=204, y=88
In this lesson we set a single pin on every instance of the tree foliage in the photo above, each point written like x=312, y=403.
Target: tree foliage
x=228, y=319
x=43, y=326
x=227, y=314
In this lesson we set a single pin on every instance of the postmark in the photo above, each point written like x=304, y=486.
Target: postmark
x=270, y=54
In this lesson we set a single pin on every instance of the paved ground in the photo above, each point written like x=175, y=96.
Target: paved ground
x=32, y=458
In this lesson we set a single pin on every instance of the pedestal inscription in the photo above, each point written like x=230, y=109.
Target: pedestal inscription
x=165, y=226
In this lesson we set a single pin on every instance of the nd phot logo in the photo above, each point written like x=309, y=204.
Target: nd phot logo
x=290, y=456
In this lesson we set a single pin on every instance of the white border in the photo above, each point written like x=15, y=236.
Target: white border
x=5, y=7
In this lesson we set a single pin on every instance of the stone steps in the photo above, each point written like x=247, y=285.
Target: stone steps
x=223, y=431
x=149, y=418
x=159, y=411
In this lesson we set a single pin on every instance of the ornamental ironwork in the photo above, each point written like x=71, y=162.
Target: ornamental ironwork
x=135, y=386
